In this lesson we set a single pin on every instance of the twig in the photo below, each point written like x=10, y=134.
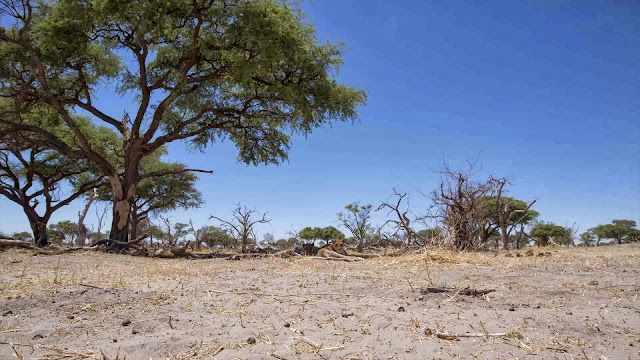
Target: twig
x=11, y=331
x=217, y=351
x=472, y=292
x=284, y=295
x=447, y=336
x=486, y=333
x=90, y=286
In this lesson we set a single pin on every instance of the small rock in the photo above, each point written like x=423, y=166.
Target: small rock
x=251, y=340
x=421, y=298
x=134, y=331
x=37, y=336
x=347, y=314
x=593, y=282
x=8, y=312
x=428, y=332
x=70, y=317
x=569, y=313
x=287, y=325
x=512, y=309
x=115, y=340
x=126, y=322
x=401, y=309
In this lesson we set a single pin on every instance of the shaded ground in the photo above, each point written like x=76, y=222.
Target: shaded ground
x=577, y=303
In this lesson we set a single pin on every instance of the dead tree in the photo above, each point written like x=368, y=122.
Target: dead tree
x=506, y=211
x=458, y=205
x=402, y=224
x=82, y=229
x=241, y=226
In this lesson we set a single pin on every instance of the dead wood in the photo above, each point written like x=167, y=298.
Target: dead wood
x=281, y=254
x=468, y=291
x=10, y=243
x=124, y=245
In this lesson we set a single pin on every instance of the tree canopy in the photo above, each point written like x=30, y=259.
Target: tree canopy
x=317, y=233
x=545, y=233
x=618, y=230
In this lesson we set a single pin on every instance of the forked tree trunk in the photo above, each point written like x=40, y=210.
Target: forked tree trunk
x=124, y=191
x=38, y=226
x=39, y=230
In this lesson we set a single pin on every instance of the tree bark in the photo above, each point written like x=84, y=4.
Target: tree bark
x=82, y=229
x=124, y=190
x=38, y=226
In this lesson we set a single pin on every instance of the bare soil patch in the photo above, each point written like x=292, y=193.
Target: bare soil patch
x=575, y=304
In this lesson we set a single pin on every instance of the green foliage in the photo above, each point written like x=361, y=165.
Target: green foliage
x=431, y=235
x=356, y=220
x=23, y=235
x=587, y=238
x=509, y=204
x=249, y=71
x=545, y=232
x=285, y=243
x=63, y=231
x=618, y=230
x=216, y=237
x=328, y=233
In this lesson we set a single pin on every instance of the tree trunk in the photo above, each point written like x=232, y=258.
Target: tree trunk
x=38, y=226
x=124, y=191
x=40, y=233
x=134, y=226
x=505, y=238
x=361, y=245
x=82, y=230
x=244, y=244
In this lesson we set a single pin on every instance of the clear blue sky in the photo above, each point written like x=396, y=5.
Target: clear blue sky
x=547, y=92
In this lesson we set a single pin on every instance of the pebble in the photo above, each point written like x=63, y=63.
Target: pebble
x=251, y=340
x=126, y=322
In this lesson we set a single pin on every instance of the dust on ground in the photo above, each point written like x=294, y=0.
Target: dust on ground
x=579, y=303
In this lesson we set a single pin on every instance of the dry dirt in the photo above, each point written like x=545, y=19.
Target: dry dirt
x=576, y=304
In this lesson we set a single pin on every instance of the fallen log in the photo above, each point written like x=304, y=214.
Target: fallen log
x=123, y=245
x=11, y=243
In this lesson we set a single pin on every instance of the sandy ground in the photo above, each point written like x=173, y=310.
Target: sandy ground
x=575, y=304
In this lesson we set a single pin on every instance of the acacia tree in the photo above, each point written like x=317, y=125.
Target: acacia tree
x=243, y=223
x=173, y=187
x=545, y=233
x=587, y=238
x=32, y=176
x=507, y=212
x=202, y=71
x=317, y=233
x=356, y=220
x=618, y=230
x=64, y=231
